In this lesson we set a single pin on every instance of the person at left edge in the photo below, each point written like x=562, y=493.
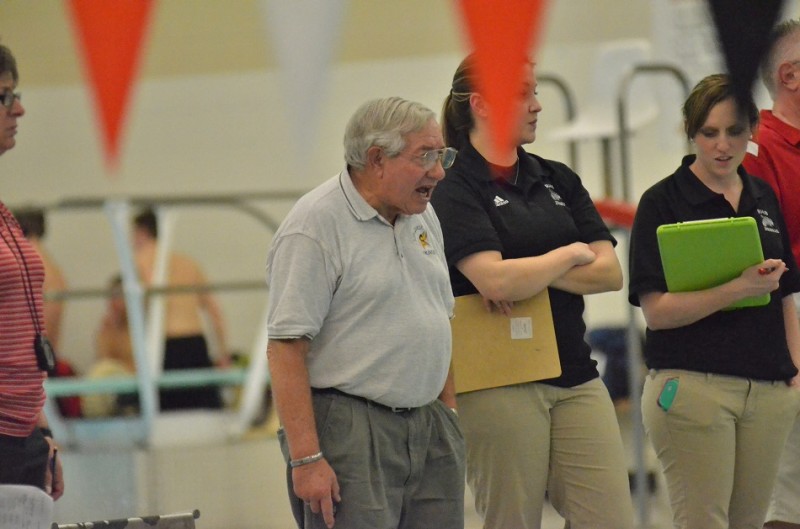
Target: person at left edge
x=359, y=349
x=26, y=443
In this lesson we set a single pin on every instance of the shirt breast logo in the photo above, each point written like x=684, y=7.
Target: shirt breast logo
x=555, y=196
x=423, y=240
x=768, y=224
x=421, y=235
x=498, y=201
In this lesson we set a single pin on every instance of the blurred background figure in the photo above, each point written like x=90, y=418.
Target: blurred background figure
x=114, y=357
x=186, y=346
x=113, y=340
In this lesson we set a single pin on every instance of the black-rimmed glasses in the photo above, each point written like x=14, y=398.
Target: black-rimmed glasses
x=7, y=98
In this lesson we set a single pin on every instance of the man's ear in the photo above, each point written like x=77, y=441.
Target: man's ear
x=375, y=157
x=788, y=75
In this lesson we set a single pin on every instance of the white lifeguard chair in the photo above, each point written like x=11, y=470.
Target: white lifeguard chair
x=596, y=117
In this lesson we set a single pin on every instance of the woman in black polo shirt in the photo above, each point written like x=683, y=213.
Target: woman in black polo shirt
x=515, y=224
x=718, y=402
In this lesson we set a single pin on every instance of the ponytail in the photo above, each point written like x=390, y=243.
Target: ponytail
x=457, y=120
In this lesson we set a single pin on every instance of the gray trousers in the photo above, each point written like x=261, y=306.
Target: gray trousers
x=395, y=470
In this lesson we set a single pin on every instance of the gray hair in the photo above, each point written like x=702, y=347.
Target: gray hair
x=384, y=123
x=783, y=42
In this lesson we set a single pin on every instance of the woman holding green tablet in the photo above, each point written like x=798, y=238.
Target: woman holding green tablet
x=721, y=394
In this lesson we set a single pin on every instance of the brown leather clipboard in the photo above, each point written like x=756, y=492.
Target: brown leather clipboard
x=492, y=350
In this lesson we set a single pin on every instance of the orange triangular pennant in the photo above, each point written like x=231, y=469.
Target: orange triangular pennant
x=502, y=34
x=110, y=36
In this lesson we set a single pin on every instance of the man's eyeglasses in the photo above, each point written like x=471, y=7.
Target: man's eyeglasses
x=8, y=97
x=446, y=155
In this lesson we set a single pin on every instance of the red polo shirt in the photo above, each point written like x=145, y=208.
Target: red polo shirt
x=774, y=155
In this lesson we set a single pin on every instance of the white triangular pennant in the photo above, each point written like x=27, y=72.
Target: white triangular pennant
x=304, y=34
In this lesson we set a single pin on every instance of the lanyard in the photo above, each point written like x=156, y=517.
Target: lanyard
x=27, y=284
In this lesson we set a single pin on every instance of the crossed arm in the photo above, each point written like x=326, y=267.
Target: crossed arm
x=578, y=268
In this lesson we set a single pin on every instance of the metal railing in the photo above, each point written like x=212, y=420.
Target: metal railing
x=633, y=339
x=146, y=327
x=569, y=110
x=622, y=117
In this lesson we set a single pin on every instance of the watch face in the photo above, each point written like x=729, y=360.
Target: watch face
x=45, y=356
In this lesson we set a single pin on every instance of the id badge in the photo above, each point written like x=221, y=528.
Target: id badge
x=45, y=356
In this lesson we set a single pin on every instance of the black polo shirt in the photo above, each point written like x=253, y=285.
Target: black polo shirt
x=748, y=342
x=547, y=209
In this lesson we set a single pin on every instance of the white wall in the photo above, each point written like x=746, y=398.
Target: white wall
x=229, y=134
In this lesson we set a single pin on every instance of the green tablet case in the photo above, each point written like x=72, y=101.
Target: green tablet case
x=705, y=253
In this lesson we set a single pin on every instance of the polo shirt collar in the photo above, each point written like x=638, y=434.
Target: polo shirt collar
x=696, y=191
x=359, y=207
x=784, y=130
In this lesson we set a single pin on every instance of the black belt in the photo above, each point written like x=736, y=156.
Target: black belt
x=334, y=391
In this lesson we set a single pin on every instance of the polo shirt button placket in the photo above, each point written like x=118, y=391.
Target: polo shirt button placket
x=398, y=246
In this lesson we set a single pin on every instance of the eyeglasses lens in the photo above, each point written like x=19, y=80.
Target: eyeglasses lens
x=446, y=156
x=8, y=97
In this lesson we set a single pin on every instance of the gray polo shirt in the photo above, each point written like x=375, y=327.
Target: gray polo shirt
x=374, y=299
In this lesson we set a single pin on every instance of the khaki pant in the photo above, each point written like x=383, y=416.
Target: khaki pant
x=719, y=445
x=527, y=439
x=785, y=503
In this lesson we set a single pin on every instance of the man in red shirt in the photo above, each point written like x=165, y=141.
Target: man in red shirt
x=774, y=155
